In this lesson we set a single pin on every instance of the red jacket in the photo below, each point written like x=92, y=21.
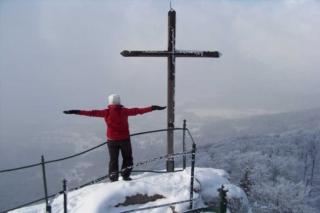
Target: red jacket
x=116, y=118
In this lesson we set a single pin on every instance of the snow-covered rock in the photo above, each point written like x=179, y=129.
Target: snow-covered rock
x=167, y=187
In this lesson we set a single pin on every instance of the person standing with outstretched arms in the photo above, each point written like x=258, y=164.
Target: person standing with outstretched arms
x=118, y=134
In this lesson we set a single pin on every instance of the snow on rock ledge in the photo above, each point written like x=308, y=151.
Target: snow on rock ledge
x=166, y=188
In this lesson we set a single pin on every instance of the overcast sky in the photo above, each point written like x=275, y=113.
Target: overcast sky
x=60, y=55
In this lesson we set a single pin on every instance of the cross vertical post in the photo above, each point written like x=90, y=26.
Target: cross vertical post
x=171, y=86
x=171, y=53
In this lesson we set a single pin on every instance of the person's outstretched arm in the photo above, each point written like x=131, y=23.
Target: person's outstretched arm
x=137, y=111
x=92, y=113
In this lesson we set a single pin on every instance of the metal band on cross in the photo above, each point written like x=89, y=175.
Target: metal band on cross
x=171, y=54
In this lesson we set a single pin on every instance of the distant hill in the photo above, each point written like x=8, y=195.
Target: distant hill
x=279, y=123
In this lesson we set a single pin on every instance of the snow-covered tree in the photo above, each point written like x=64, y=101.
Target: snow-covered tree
x=281, y=196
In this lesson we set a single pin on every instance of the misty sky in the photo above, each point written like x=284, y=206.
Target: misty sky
x=60, y=55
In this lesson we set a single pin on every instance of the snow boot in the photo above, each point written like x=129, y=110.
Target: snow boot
x=126, y=178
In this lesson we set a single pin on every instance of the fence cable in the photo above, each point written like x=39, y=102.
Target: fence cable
x=104, y=177
x=72, y=156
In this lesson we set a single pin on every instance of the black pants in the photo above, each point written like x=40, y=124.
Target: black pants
x=114, y=147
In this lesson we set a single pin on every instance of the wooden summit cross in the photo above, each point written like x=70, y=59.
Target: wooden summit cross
x=171, y=54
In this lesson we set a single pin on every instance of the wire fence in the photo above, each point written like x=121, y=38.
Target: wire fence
x=43, y=166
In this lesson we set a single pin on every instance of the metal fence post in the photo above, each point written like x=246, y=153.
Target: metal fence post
x=48, y=207
x=223, y=200
x=184, y=143
x=192, y=174
x=65, y=195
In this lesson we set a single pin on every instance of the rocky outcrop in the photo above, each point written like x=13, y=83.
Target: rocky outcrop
x=139, y=199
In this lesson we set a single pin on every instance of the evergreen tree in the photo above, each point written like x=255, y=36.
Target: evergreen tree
x=246, y=183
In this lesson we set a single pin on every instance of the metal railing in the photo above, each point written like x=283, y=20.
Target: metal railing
x=64, y=192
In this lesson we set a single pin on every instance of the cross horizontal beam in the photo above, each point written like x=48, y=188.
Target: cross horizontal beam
x=176, y=53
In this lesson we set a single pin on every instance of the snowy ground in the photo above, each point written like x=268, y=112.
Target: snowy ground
x=103, y=197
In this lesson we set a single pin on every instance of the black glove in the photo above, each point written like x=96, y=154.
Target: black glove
x=71, y=112
x=154, y=107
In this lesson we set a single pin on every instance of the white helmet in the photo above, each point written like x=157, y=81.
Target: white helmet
x=114, y=99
